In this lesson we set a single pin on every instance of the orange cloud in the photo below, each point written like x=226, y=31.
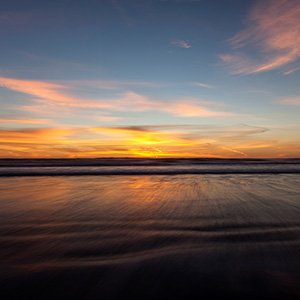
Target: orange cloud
x=274, y=29
x=147, y=151
x=235, y=151
x=166, y=141
x=35, y=136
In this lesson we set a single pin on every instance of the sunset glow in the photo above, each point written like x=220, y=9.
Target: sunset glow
x=163, y=79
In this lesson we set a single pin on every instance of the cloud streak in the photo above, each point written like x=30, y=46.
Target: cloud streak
x=53, y=96
x=236, y=141
x=202, y=85
x=24, y=120
x=38, y=89
x=274, y=29
x=167, y=140
x=295, y=101
x=181, y=44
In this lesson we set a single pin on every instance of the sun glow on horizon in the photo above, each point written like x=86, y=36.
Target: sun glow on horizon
x=140, y=141
x=150, y=80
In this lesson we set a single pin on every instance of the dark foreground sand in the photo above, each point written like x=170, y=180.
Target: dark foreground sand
x=150, y=237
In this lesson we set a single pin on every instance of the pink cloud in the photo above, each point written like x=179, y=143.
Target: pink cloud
x=38, y=89
x=273, y=27
x=23, y=120
x=290, y=101
x=184, y=107
x=202, y=85
x=60, y=99
x=192, y=109
x=291, y=71
x=181, y=44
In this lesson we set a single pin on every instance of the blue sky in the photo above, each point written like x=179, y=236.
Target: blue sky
x=150, y=78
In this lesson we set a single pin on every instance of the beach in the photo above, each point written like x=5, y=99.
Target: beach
x=150, y=236
x=150, y=150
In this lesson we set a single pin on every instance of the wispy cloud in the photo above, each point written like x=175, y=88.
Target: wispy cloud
x=235, y=151
x=291, y=71
x=238, y=140
x=166, y=140
x=35, y=136
x=24, y=120
x=38, y=89
x=238, y=63
x=190, y=108
x=112, y=84
x=290, y=101
x=202, y=85
x=52, y=96
x=196, y=131
x=181, y=44
x=183, y=107
x=273, y=27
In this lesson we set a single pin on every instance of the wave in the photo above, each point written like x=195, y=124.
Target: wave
x=253, y=168
x=94, y=162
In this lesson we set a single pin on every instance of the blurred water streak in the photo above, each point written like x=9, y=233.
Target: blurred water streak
x=150, y=236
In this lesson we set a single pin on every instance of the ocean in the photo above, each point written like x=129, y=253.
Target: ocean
x=149, y=228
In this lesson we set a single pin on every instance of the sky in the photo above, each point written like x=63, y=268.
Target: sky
x=150, y=78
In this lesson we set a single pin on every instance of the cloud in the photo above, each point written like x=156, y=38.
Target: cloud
x=183, y=107
x=181, y=44
x=146, y=151
x=24, y=120
x=64, y=93
x=235, y=151
x=33, y=135
x=290, y=101
x=38, y=89
x=234, y=141
x=238, y=63
x=184, y=135
x=56, y=97
x=191, y=108
x=112, y=84
x=202, y=85
x=195, y=131
x=274, y=28
x=291, y=71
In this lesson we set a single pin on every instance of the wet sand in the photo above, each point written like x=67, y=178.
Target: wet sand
x=150, y=237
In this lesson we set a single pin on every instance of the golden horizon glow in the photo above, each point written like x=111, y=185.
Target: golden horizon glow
x=140, y=142
x=111, y=86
